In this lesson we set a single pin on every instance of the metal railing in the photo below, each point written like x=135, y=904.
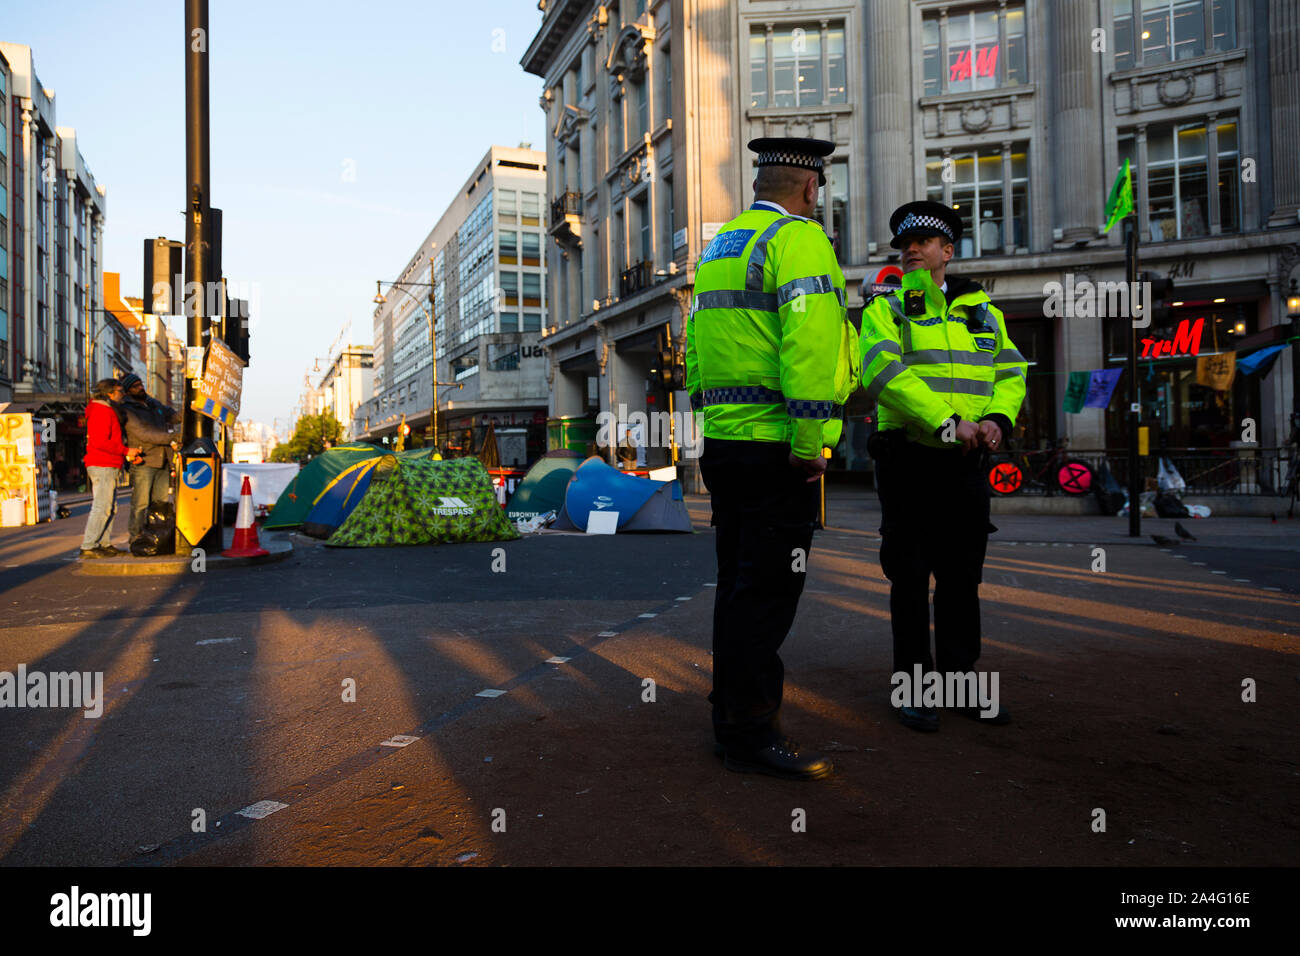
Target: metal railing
x=566, y=204
x=633, y=280
x=1205, y=471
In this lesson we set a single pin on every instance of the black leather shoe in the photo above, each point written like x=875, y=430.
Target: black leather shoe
x=1000, y=718
x=108, y=551
x=919, y=718
x=91, y=553
x=783, y=760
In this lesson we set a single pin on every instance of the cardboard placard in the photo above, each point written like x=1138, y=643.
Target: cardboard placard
x=217, y=393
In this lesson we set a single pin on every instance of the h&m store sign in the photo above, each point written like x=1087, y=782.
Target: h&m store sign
x=1186, y=341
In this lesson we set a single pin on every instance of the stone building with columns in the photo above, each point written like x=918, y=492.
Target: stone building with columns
x=1017, y=112
x=56, y=337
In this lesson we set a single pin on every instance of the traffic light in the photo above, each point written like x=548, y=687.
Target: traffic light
x=234, y=327
x=669, y=371
x=212, y=239
x=163, y=276
x=664, y=368
x=1162, y=288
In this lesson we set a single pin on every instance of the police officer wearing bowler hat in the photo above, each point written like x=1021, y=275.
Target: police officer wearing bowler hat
x=771, y=357
x=949, y=383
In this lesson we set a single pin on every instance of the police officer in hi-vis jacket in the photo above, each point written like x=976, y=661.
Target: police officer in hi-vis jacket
x=949, y=383
x=771, y=357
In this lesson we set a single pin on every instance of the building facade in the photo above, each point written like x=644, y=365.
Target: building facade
x=56, y=338
x=1018, y=113
x=347, y=382
x=152, y=358
x=479, y=277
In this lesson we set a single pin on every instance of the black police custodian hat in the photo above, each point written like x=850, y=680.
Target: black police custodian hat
x=924, y=218
x=793, y=151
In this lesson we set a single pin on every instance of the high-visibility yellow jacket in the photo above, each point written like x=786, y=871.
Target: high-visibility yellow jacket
x=945, y=359
x=770, y=352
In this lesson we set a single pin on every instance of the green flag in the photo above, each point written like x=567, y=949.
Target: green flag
x=1120, y=203
x=1076, y=392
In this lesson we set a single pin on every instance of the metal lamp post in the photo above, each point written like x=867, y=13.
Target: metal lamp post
x=433, y=344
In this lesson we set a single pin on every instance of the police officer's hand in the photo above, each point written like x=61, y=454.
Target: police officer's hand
x=969, y=435
x=815, y=467
x=990, y=435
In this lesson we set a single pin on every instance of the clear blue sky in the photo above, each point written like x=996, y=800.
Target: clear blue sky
x=410, y=92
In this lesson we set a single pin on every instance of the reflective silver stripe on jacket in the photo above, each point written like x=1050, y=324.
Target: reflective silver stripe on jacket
x=1002, y=373
x=938, y=356
x=883, y=378
x=736, y=299
x=758, y=255
x=812, y=285
x=1010, y=355
x=743, y=395
x=886, y=345
x=964, y=386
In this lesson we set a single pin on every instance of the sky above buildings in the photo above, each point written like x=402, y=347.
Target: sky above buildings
x=340, y=131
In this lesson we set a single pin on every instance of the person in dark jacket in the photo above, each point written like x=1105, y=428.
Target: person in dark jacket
x=148, y=428
x=105, y=455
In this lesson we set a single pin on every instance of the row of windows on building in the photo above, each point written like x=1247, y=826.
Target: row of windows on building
x=1179, y=193
x=981, y=48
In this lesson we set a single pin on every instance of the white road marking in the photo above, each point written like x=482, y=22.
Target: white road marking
x=261, y=809
x=399, y=740
x=712, y=585
x=1242, y=580
x=558, y=660
x=647, y=615
x=681, y=599
x=608, y=634
x=1199, y=564
x=1218, y=572
x=1272, y=589
x=490, y=692
x=216, y=640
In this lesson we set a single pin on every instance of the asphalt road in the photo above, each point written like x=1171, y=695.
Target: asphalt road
x=229, y=691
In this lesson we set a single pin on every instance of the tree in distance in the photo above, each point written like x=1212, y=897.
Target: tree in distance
x=312, y=435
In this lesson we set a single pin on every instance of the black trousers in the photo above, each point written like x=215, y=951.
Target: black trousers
x=763, y=510
x=935, y=520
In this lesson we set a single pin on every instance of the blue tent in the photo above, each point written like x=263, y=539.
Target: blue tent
x=641, y=504
x=340, y=496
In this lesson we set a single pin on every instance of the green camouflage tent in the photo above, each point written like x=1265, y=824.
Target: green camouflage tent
x=422, y=501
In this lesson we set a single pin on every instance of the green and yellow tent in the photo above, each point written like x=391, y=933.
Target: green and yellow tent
x=314, y=479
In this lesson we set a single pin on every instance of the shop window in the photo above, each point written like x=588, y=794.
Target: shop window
x=1179, y=195
x=977, y=196
x=508, y=246
x=973, y=58
x=506, y=205
x=532, y=251
x=532, y=288
x=530, y=209
x=509, y=288
x=1171, y=30
x=837, y=187
x=807, y=64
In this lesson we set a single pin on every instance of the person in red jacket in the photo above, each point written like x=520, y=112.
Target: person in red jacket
x=104, y=458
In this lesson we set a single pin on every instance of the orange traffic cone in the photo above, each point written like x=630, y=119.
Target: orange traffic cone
x=245, y=544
